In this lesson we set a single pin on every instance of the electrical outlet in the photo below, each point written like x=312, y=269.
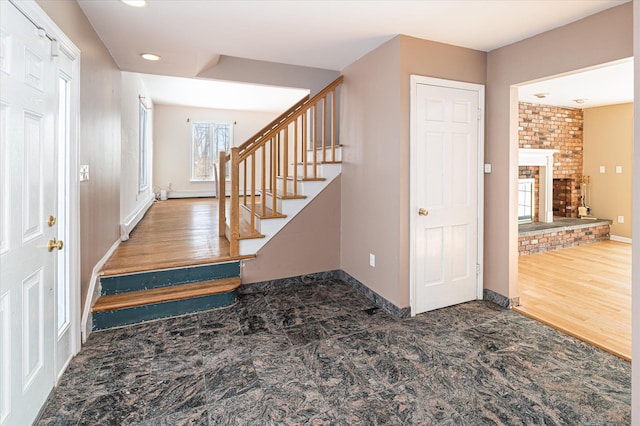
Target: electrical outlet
x=618, y=169
x=620, y=219
x=372, y=260
x=601, y=169
x=84, y=173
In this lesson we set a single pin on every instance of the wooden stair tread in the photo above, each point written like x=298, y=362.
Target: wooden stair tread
x=307, y=179
x=165, y=294
x=318, y=163
x=287, y=196
x=246, y=232
x=269, y=214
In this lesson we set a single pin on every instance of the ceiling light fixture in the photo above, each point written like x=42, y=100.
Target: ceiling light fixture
x=580, y=101
x=150, y=57
x=541, y=95
x=135, y=3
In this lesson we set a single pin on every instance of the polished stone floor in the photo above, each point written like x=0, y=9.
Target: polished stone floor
x=322, y=354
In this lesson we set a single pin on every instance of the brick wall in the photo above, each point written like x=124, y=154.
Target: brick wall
x=562, y=239
x=549, y=127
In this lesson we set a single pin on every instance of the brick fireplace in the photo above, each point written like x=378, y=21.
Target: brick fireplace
x=559, y=128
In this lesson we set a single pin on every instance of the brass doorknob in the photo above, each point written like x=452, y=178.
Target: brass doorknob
x=54, y=244
x=51, y=221
x=423, y=212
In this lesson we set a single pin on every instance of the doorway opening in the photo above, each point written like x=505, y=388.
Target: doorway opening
x=576, y=251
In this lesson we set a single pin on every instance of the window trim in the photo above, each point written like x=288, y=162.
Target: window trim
x=143, y=143
x=532, y=182
x=214, y=153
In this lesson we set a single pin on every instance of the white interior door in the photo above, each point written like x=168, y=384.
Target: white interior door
x=445, y=195
x=28, y=98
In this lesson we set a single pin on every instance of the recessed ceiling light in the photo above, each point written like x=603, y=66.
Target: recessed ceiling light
x=541, y=95
x=135, y=3
x=580, y=100
x=150, y=57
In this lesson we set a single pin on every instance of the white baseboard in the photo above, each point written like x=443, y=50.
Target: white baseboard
x=132, y=220
x=191, y=194
x=94, y=292
x=620, y=239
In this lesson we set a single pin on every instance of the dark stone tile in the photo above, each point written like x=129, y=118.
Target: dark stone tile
x=198, y=416
x=342, y=325
x=319, y=353
x=247, y=408
x=306, y=333
x=64, y=408
x=252, y=324
x=118, y=408
x=230, y=379
x=168, y=394
x=288, y=317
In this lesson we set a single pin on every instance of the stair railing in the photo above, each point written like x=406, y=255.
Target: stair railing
x=289, y=149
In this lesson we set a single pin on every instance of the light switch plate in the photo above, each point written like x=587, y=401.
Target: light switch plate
x=487, y=168
x=601, y=169
x=618, y=169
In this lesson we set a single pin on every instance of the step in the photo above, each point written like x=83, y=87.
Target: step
x=146, y=305
x=115, y=284
x=269, y=213
x=325, y=170
x=246, y=233
x=329, y=158
x=300, y=183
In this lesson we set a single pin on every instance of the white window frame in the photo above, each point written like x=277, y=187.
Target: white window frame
x=212, y=145
x=143, y=177
x=531, y=206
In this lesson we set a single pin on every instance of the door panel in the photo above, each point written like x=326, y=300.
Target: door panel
x=28, y=95
x=446, y=191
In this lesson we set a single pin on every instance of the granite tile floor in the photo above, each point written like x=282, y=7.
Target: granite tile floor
x=322, y=354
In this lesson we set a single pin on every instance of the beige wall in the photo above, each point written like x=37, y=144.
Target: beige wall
x=99, y=136
x=375, y=133
x=608, y=141
x=597, y=39
x=172, y=140
x=131, y=199
x=245, y=70
x=309, y=243
x=635, y=338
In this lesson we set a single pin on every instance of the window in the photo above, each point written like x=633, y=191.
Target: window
x=144, y=147
x=208, y=139
x=525, y=200
x=64, y=119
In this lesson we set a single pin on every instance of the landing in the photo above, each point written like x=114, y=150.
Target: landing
x=174, y=233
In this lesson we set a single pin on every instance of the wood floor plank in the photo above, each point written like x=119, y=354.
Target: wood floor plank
x=173, y=233
x=584, y=291
x=165, y=294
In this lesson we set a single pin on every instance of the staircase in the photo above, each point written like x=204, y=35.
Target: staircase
x=274, y=175
x=144, y=296
x=280, y=170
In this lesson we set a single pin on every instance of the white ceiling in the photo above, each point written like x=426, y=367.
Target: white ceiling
x=191, y=35
x=219, y=94
x=605, y=85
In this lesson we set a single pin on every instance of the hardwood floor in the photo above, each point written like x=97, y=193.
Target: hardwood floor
x=583, y=291
x=173, y=233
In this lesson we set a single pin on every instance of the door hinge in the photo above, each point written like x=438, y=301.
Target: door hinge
x=477, y=269
x=479, y=113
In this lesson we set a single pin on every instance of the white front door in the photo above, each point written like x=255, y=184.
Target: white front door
x=29, y=103
x=445, y=193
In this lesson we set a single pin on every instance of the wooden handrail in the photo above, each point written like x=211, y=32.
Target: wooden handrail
x=312, y=102
x=267, y=156
x=282, y=117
